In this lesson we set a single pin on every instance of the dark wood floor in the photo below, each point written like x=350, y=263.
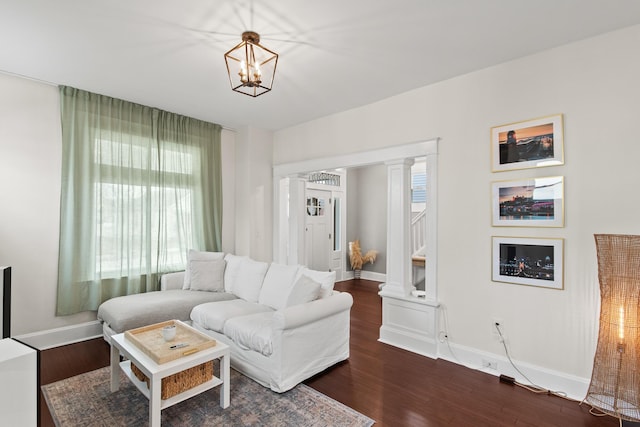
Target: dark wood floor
x=392, y=386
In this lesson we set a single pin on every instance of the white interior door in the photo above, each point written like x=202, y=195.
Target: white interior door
x=318, y=229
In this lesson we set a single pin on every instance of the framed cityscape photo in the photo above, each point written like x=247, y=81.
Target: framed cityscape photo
x=528, y=261
x=530, y=144
x=535, y=202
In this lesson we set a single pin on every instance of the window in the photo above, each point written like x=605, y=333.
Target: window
x=140, y=187
x=123, y=202
x=315, y=206
x=337, y=224
x=419, y=187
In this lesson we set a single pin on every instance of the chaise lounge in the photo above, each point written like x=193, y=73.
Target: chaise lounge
x=283, y=323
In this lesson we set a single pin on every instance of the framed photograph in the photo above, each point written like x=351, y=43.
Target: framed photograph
x=531, y=144
x=535, y=202
x=528, y=261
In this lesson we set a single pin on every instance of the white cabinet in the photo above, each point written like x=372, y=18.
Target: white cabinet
x=18, y=384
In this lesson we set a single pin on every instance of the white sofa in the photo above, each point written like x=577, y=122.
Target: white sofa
x=283, y=323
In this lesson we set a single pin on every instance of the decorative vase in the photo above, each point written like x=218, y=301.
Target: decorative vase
x=356, y=274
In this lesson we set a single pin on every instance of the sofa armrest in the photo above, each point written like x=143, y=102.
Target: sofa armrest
x=302, y=314
x=170, y=281
x=308, y=338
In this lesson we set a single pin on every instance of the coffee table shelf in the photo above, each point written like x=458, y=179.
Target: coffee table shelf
x=165, y=403
x=155, y=372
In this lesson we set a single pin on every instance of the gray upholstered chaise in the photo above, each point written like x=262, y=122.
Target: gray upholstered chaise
x=133, y=311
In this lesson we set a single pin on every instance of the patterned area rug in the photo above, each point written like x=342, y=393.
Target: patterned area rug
x=85, y=400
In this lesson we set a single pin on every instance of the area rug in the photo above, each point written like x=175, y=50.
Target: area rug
x=85, y=400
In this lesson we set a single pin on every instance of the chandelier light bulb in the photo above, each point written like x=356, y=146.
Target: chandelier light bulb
x=243, y=72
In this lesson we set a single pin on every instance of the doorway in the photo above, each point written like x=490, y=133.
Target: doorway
x=325, y=221
x=289, y=180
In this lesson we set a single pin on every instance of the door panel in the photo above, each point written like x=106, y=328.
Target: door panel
x=318, y=228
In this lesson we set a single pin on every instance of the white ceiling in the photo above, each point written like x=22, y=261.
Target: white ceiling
x=334, y=54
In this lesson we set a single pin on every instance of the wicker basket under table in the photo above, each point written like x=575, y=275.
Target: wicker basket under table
x=180, y=381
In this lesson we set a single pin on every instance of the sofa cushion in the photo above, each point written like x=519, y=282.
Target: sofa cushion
x=213, y=316
x=277, y=285
x=232, y=270
x=134, y=311
x=199, y=256
x=248, y=281
x=207, y=275
x=326, y=279
x=304, y=290
x=252, y=332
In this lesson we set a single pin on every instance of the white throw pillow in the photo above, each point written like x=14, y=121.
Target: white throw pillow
x=277, y=284
x=249, y=279
x=207, y=275
x=199, y=256
x=326, y=279
x=231, y=271
x=304, y=290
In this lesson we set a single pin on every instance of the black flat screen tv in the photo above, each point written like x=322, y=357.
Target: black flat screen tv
x=5, y=302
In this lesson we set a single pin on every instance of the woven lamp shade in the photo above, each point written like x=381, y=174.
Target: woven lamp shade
x=615, y=380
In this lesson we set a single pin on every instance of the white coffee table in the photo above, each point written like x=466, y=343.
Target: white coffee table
x=155, y=372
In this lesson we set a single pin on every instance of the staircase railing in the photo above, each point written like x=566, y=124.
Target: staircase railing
x=418, y=228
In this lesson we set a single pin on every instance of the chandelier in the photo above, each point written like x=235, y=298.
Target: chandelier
x=251, y=66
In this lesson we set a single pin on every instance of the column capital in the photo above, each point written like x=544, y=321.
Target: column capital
x=298, y=176
x=405, y=162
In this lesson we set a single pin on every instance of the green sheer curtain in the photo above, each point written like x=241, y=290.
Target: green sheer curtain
x=140, y=187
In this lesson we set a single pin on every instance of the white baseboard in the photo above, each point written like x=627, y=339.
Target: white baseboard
x=574, y=387
x=410, y=342
x=372, y=275
x=367, y=275
x=43, y=340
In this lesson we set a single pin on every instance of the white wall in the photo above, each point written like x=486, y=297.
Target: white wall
x=367, y=212
x=254, y=194
x=30, y=170
x=594, y=84
x=228, y=153
x=30, y=162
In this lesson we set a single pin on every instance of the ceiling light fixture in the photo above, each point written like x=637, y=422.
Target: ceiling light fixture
x=251, y=67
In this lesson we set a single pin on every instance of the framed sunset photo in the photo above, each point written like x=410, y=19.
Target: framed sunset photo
x=534, y=202
x=530, y=144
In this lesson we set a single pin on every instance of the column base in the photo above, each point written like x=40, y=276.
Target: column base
x=409, y=323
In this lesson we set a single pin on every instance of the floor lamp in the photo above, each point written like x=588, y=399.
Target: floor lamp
x=615, y=380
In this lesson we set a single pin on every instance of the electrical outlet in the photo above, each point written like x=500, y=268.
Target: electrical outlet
x=491, y=364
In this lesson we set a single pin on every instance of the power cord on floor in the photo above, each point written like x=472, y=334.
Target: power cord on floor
x=533, y=387
x=443, y=337
x=541, y=390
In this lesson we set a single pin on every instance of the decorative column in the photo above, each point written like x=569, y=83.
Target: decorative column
x=408, y=322
x=398, y=229
x=297, y=203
